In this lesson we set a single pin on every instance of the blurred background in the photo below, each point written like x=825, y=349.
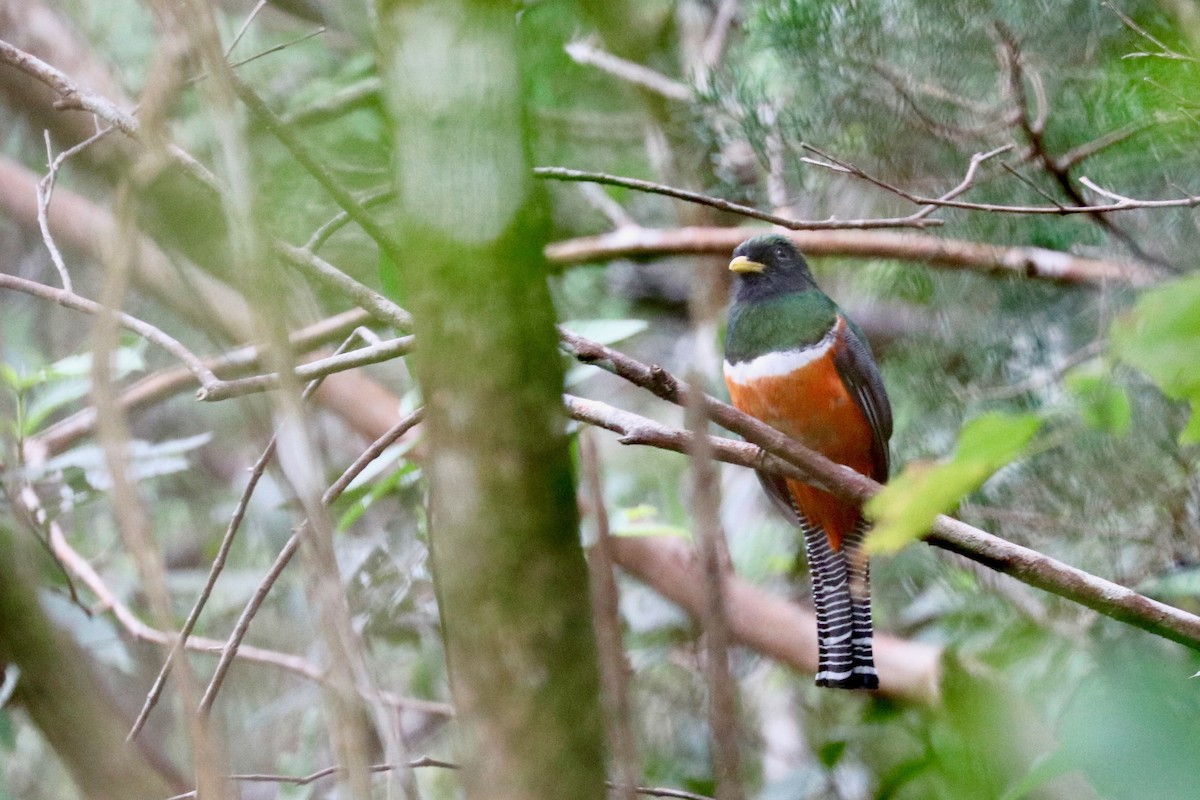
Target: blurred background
x=1036, y=695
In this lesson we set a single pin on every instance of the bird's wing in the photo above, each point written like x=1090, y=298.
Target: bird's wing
x=860, y=374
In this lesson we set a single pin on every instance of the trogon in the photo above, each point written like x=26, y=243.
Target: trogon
x=796, y=362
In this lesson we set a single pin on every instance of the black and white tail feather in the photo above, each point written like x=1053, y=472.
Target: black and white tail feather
x=842, y=597
x=841, y=591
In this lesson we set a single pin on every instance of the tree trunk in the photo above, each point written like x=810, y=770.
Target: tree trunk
x=511, y=579
x=63, y=698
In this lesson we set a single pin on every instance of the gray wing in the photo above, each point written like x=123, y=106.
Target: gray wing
x=860, y=374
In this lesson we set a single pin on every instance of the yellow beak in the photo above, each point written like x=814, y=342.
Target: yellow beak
x=743, y=264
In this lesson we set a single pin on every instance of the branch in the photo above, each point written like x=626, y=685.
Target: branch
x=424, y=761
x=234, y=644
x=71, y=94
x=109, y=602
x=169, y=382
x=70, y=300
x=1188, y=201
x=382, y=351
x=589, y=55
x=917, y=220
x=1030, y=262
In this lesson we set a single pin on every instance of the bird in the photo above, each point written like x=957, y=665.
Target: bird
x=795, y=361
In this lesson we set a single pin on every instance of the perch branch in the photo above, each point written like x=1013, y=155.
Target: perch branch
x=1031, y=262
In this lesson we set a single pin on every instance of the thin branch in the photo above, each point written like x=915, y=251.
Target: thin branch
x=322, y=234
x=218, y=563
x=109, y=602
x=606, y=614
x=1163, y=50
x=373, y=354
x=245, y=26
x=419, y=763
x=842, y=166
x=561, y=174
x=330, y=276
x=582, y=52
x=169, y=382
x=710, y=545
x=70, y=300
x=72, y=95
x=317, y=169
x=1030, y=262
x=234, y=644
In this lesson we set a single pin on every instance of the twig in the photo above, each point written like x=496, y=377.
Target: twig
x=245, y=26
x=166, y=383
x=710, y=544
x=316, y=169
x=1185, y=202
x=321, y=235
x=71, y=94
x=1034, y=132
x=218, y=564
x=582, y=52
x=45, y=190
x=561, y=174
x=69, y=299
x=328, y=275
x=234, y=643
x=419, y=763
x=1163, y=50
x=109, y=602
x=373, y=354
x=1030, y=262
x=606, y=614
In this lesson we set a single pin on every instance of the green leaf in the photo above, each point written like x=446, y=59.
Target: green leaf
x=1103, y=404
x=905, y=509
x=1160, y=336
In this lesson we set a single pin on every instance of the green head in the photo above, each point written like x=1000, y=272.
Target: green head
x=768, y=266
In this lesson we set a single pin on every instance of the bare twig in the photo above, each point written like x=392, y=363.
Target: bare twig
x=321, y=235
x=1189, y=201
x=561, y=174
x=314, y=166
x=166, y=383
x=218, y=564
x=45, y=190
x=1163, y=50
x=69, y=299
x=234, y=644
x=418, y=763
x=373, y=354
x=710, y=543
x=71, y=94
x=606, y=613
x=585, y=53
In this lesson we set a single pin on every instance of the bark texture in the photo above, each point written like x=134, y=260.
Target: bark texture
x=512, y=583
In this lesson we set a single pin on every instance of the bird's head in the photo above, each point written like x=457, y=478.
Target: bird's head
x=768, y=265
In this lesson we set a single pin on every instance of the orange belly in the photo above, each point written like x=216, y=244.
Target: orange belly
x=811, y=404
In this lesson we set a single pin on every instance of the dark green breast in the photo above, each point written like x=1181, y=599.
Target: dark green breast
x=789, y=321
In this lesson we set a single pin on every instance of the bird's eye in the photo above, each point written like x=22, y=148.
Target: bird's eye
x=779, y=252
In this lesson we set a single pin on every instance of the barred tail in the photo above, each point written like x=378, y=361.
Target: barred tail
x=842, y=596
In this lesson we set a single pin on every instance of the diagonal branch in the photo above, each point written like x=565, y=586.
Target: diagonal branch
x=1029, y=566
